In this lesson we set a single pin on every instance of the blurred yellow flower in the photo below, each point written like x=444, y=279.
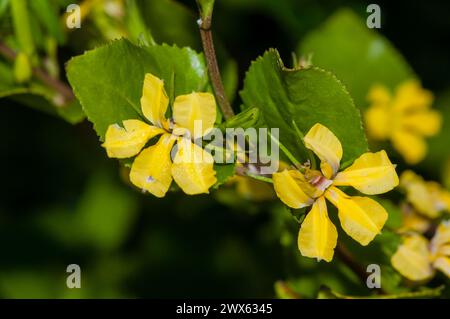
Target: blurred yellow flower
x=153, y=169
x=413, y=221
x=417, y=258
x=405, y=119
x=361, y=218
x=428, y=198
x=252, y=189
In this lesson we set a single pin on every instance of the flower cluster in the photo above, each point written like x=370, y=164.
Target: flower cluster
x=404, y=119
x=428, y=198
x=417, y=258
x=175, y=155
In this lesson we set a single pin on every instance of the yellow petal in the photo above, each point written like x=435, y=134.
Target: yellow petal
x=195, y=107
x=378, y=122
x=427, y=123
x=154, y=100
x=420, y=195
x=442, y=236
x=412, y=221
x=193, y=168
x=379, y=94
x=326, y=146
x=444, y=197
x=371, y=173
x=410, y=96
x=151, y=168
x=444, y=250
x=412, y=258
x=318, y=236
x=443, y=264
x=361, y=218
x=410, y=145
x=127, y=141
x=439, y=196
x=289, y=186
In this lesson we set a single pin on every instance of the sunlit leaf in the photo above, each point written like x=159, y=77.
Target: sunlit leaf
x=108, y=80
x=306, y=96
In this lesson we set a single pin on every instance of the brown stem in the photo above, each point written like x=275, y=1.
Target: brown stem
x=57, y=85
x=213, y=68
x=287, y=290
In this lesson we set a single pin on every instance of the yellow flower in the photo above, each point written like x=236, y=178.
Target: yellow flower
x=428, y=198
x=404, y=119
x=153, y=169
x=417, y=258
x=361, y=218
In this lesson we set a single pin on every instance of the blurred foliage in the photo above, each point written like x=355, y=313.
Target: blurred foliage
x=367, y=60
x=62, y=201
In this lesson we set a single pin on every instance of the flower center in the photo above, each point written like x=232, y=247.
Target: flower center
x=318, y=182
x=177, y=130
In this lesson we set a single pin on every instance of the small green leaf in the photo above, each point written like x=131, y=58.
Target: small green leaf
x=356, y=54
x=248, y=118
x=306, y=96
x=206, y=8
x=108, y=80
x=223, y=172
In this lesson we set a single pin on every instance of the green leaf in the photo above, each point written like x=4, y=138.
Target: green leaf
x=108, y=80
x=248, y=118
x=223, y=172
x=37, y=97
x=356, y=54
x=306, y=96
x=206, y=8
x=22, y=27
x=72, y=112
